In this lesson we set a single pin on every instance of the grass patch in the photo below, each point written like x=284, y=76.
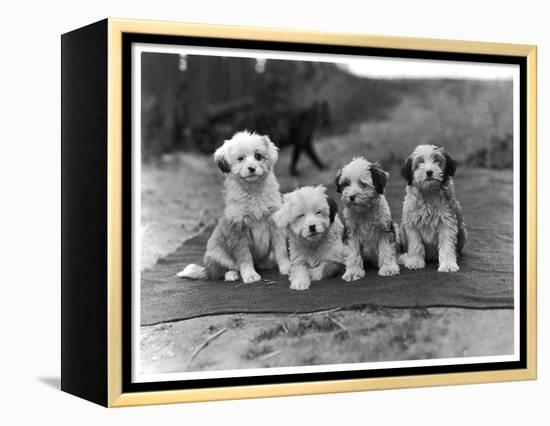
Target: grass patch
x=367, y=331
x=270, y=333
x=256, y=352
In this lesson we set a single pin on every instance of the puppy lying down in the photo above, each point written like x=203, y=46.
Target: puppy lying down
x=314, y=235
x=245, y=238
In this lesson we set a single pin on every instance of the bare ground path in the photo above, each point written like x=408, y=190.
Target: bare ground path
x=182, y=196
x=336, y=337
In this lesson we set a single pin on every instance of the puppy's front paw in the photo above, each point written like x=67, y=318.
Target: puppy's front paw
x=300, y=284
x=316, y=274
x=412, y=262
x=231, y=276
x=388, y=270
x=353, y=274
x=251, y=277
x=284, y=268
x=448, y=267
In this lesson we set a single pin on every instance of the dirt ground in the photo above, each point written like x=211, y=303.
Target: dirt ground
x=181, y=196
x=340, y=336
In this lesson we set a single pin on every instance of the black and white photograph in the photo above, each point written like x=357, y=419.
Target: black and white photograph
x=297, y=212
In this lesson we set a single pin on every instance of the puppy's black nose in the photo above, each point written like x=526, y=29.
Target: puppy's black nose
x=311, y=228
x=251, y=169
x=429, y=173
x=352, y=197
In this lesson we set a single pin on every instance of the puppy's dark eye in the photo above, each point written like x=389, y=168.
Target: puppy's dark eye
x=300, y=216
x=258, y=156
x=362, y=184
x=240, y=157
x=319, y=212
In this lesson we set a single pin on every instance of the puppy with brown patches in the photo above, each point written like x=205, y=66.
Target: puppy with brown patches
x=245, y=237
x=432, y=227
x=370, y=231
x=314, y=234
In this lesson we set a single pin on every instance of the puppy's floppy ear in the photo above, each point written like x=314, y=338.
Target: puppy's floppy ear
x=333, y=208
x=379, y=178
x=281, y=217
x=272, y=149
x=450, y=164
x=337, y=181
x=406, y=170
x=220, y=157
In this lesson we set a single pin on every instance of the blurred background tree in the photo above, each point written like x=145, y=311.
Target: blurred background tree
x=194, y=102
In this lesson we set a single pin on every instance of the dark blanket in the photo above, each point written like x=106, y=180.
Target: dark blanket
x=485, y=279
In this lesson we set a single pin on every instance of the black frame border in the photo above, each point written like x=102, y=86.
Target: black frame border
x=129, y=38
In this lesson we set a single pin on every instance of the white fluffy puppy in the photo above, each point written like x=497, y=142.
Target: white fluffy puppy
x=370, y=231
x=245, y=236
x=432, y=226
x=315, y=235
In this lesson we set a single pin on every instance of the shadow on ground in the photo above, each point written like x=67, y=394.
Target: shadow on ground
x=53, y=382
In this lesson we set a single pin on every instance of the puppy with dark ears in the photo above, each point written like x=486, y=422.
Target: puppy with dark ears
x=433, y=226
x=443, y=174
x=314, y=234
x=370, y=231
x=245, y=238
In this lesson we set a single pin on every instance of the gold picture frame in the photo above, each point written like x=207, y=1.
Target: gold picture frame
x=113, y=30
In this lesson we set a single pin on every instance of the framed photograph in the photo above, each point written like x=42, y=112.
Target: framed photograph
x=255, y=212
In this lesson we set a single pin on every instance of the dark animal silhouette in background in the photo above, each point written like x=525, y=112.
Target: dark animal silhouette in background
x=302, y=129
x=286, y=126
x=297, y=128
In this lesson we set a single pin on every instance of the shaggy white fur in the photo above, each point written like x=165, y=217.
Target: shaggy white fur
x=245, y=237
x=315, y=235
x=370, y=230
x=432, y=227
